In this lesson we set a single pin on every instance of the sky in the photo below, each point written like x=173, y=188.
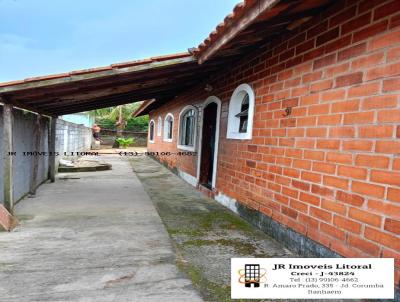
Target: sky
x=40, y=37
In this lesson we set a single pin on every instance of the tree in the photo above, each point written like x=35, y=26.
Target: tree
x=120, y=118
x=123, y=112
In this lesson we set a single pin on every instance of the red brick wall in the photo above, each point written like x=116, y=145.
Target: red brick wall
x=331, y=170
x=185, y=163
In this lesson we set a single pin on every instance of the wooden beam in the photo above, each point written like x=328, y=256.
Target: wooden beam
x=15, y=103
x=37, y=133
x=52, y=149
x=143, y=107
x=112, y=85
x=90, y=92
x=116, y=100
x=135, y=94
x=86, y=107
x=30, y=108
x=7, y=158
x=97, y=104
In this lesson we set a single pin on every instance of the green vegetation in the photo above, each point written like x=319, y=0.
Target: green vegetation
x=139, y=124
x=120, y=118
x=238, y=246
x=223, y=220
x=214, y=292
x=125, y=142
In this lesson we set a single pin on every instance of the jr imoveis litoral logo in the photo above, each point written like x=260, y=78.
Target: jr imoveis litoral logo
x=252, y=274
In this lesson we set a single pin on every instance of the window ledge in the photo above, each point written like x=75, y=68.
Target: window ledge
x=168, y=140
x=187, y=148
x=239, y=135
x=151, y=141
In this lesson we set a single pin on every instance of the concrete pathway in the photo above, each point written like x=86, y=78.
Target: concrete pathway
x=206, y=234
x=92, y=236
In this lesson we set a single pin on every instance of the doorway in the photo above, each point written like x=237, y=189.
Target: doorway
x=209, y=143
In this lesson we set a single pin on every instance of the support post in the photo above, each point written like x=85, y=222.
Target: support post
x=52, y=149
x=8, y=157
x=37, y=134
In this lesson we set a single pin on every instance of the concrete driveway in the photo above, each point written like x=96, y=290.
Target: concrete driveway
x=92, y=236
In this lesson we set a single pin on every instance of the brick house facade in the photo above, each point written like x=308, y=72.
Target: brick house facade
x=323, y=157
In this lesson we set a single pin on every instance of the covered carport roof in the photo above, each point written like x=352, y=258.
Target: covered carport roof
x=158, y=77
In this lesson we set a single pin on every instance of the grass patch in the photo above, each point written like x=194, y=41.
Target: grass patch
x=240, y=247
x=224, y=220
x=210, y=291
x=188, y=232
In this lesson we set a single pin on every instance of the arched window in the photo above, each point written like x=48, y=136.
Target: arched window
x=243, y=115
x=241, y=111
x=159, y=126
x=151, y=131
x=168, y=127
x=187, y=128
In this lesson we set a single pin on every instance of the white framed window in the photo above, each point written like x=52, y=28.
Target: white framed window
x=159, y=126
x=241, y=112
x=187, y=128
x=151, y=131
x=168, y=127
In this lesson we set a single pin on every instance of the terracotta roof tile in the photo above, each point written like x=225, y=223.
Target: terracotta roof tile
x=10, y=83
x=98, y=69
x=131, y=63
x=169, y=57
x=90, y=70
x=54, y=76
x=237, y=12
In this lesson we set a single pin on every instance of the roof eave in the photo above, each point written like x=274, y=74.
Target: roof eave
x=99, y=72
x=231, y=27
x=142, y=109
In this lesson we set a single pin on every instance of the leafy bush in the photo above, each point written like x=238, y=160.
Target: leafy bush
x=107, y=117
x=138, y=124
x=125, y=142
x=105, y=123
